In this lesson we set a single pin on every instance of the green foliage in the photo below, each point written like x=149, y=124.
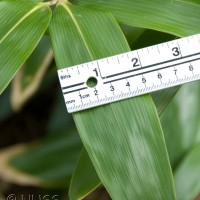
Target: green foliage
x=60, y=157
x=124, y=146
x=25, y=27
x=178, y=17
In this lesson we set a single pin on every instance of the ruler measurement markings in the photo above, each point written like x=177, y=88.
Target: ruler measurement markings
x=156, y=64
x=133, y=73
x=118, y=60
x=148, y=70
x=158, y=48
x=138, y=92
x=78, y=70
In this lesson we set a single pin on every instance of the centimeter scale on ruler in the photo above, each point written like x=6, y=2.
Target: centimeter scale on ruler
x=131, y=74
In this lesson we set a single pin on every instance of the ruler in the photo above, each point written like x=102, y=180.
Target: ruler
x=131, y=74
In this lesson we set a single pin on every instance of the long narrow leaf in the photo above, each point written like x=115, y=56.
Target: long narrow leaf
x=124, y=140
x=81, y=186
x=19, y=35
x=178, y=17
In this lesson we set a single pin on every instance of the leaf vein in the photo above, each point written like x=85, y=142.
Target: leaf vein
x=20, y=21
x=78, y=28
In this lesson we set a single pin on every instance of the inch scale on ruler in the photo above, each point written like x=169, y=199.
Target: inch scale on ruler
x=131, y=74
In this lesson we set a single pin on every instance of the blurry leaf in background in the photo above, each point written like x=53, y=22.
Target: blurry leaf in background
x=29, y=78
x=60, y=119
x=50, y=161
x=9, y=174
x=166, y=16
x=181, y=121
x=187, y=175
x=124, y=140
x=26, y=25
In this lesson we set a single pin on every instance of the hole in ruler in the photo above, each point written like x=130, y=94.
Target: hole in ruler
x=91, y=82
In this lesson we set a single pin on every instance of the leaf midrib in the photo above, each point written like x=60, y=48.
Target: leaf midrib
x=77, y=27
x=37, y=7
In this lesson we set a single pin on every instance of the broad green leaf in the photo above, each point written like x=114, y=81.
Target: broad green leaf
x=82, y=185
x=51, y=160
x=20, y=34
x=161, y=100
x=28, y=79
x=178, y=17
x=187, y=175
x=180, y=121
x=124, y=140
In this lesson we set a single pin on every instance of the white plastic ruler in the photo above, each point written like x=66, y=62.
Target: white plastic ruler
x=131, y=74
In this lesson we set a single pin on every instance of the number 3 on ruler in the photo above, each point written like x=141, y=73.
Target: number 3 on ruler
x=176, y=51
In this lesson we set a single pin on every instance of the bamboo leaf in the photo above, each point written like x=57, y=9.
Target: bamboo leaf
x=50, y=161
x=26, y=25
x=81, y=186
x=124, y=140
x=139, y=38
x=178, y=17
x=187, y=175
